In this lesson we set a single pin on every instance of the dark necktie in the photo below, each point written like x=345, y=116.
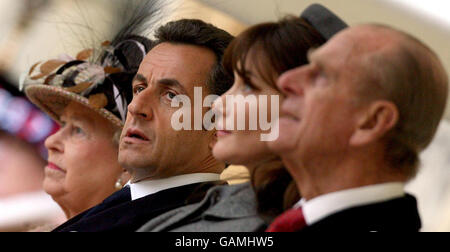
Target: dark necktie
x=291, y=220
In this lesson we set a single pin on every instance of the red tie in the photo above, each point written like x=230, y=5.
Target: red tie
x=290, y=221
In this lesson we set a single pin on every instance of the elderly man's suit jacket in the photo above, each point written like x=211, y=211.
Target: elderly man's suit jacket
x=398, y=214
x=119, y=213
x=224, y=209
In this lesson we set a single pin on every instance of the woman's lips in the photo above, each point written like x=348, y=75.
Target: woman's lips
x=52, y=166
x=222, y=133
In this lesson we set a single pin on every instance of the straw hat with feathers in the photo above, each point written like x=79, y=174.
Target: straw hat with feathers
x=99, y=79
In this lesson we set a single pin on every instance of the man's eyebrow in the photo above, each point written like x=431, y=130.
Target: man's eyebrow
x=172, y=83
x=310, y=53
x=140, y=77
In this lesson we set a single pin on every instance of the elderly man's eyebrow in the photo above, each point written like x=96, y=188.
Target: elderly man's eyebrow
x=313, y=59
x=310, y=53
x=140, y=78
x=168, y=82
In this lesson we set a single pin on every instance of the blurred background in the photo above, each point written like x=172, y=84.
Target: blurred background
x=33, y=30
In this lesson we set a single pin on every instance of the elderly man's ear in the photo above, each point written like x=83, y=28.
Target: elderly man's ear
x=380, y=117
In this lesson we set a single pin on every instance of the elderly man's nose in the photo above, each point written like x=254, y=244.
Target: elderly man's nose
x=292, y=82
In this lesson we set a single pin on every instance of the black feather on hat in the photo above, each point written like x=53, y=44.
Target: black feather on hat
x=100, y=78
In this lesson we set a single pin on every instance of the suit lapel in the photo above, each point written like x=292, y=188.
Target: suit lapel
x=116, y=198
x=130, y=215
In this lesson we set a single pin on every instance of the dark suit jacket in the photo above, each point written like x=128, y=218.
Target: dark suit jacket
x=399, y=214
x=119, y=213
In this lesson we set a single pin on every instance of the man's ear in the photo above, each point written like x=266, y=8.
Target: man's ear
x=381, y=117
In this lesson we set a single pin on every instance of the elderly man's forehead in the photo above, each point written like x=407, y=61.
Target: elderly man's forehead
x=376, y=37
x=356, y=43
x=339, y=47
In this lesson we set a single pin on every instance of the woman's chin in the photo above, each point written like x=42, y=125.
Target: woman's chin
x=52, y=187
x=243, y=152
x=231, y=156
x=225, y=152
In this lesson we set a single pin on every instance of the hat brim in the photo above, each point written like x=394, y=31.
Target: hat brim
x=53, y=100
x=323, y=20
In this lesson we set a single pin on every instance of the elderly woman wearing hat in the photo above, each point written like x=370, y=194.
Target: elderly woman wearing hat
x=89, y=101
x=88, y=96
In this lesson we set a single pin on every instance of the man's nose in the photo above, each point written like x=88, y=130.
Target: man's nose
x=140, y=107
x=292, y=82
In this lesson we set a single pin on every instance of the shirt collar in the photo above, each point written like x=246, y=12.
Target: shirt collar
x=147, y=187
x=320, y=207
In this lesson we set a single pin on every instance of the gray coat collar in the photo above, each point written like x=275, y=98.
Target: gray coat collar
x=221, y=203
x=237, y=201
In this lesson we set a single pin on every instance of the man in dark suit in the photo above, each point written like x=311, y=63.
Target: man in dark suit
x=168, y=168
x=354, y=121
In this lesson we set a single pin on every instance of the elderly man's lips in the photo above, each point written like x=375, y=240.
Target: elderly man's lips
x=290, y=117
x=290, y=110
x=53, y=166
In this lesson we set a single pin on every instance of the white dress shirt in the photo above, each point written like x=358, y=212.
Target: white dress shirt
x=325, y=205
x=147, y=187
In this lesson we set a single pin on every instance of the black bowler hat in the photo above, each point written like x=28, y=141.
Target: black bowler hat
x=323, y=20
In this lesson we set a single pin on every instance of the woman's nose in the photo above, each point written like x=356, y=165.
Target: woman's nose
x=54, y=142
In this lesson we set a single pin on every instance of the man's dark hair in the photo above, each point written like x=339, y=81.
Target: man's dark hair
x=198, y=33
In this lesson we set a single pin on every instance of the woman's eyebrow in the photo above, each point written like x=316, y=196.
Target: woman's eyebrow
x=75, y=118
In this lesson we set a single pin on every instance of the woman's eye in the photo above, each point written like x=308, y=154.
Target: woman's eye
x=77, y=130
x=247, y=87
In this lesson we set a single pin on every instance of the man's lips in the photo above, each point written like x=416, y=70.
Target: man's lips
x=135, y=136
x=53, y=166
x=290, y=117
x=285, y=113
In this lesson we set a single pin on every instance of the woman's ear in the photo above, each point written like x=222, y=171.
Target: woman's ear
x=380, y=118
